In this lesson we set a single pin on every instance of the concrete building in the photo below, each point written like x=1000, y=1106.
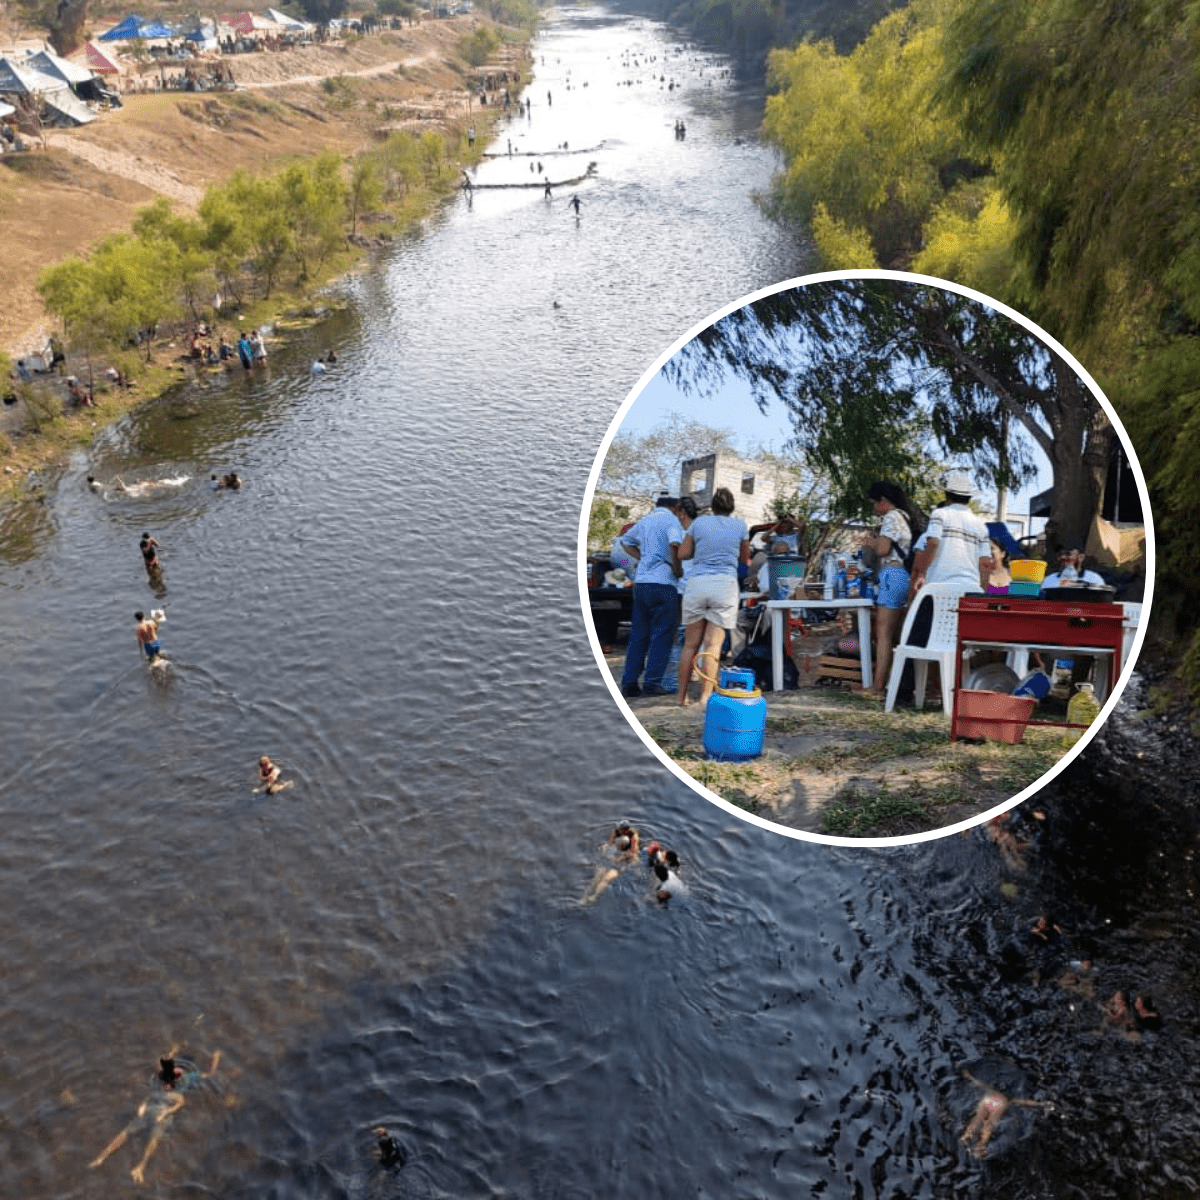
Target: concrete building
x=754, y=483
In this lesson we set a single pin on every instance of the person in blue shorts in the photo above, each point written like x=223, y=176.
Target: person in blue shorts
x=147, y=635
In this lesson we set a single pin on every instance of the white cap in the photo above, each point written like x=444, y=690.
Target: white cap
x=959, y=483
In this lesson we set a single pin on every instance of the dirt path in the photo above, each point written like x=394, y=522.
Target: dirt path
x=153, y=175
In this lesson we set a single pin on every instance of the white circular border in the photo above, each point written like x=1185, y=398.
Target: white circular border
x=1114, y=696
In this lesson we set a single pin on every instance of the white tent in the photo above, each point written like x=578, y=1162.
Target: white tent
x=18, y=79
x=21, y=80
x=50, y=64
x=289, y=22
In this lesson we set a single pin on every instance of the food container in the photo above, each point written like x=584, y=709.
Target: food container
x=1024, y=588
x=1027, y=570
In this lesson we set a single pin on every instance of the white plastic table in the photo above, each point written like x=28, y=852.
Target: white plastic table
x=776, y=609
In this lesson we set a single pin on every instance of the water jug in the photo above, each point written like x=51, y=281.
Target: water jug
x=1082, y=709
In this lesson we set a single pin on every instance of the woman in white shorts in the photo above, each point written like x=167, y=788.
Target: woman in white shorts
x=715, y=543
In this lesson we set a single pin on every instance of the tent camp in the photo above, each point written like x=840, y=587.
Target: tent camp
x=96, y=60
x=289, y=23
x=248, y=24
x=78, y=78
x=24, y=86
x=135, y=28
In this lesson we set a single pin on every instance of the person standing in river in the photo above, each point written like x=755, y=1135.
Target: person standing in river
x=147, y=635
x=576, y=204
x=149, y=549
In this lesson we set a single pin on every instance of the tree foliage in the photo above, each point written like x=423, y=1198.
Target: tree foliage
x=873, y=371
x=641, y=467
x=862, y=139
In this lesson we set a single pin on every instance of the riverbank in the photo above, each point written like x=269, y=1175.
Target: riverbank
x=91, y=182
x=835, y=763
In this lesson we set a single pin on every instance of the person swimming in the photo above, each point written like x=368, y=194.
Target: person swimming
x=268, y=774
x=622, y=849
x=991, y=1107
x=390, y=1153
x=172, y=1079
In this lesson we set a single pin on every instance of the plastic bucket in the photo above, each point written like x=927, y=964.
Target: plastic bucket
x=785, y=572
x=1027, y=570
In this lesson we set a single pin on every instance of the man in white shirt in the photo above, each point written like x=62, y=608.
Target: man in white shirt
x=1071, y=570
x=957, y=546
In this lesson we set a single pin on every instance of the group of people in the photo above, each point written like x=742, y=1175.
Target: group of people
x=686, y=570
x=621, y=850
x=250, y=349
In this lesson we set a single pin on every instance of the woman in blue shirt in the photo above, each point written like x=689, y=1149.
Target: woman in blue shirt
x=715, y=543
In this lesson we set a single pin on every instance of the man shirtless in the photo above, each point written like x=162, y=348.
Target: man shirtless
x=147, y=635
x=991, y=1107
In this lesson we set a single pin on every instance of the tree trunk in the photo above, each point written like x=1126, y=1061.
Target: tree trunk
x=1079, y=458
x=66, y=29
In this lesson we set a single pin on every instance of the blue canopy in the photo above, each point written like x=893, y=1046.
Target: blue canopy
x=136, y=27
x=999, y=532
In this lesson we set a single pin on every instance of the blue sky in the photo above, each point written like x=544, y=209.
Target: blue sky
x=733, y=408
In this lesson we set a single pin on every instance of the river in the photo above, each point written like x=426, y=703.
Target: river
x=389, y=609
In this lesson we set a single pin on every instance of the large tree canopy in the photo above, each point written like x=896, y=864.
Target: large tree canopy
x=861, y=364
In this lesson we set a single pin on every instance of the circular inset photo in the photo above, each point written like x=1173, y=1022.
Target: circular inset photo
x=867, y=558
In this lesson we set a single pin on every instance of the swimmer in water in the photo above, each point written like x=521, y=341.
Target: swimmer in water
x=991, y=1107
x=622, y=847
x=669, y=883
x=268, y=774
x=170, y=1082
x=390, y=1153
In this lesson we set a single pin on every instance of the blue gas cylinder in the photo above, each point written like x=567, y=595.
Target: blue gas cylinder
x=736, y=677
x=735, y=722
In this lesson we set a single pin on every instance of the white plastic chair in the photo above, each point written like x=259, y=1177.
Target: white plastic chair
x=941, y=646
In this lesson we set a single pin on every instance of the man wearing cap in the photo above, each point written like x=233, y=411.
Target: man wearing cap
x=957, y=546
x=654, y=542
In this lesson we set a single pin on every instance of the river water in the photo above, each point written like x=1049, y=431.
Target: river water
x=389, y=608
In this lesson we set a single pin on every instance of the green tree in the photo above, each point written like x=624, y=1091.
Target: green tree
x=643, y=466
x=479, y=45
x=433, y=154
x=365, y=192
x=401, y=159
x=868, y=153
x=863, y=365
x=185, y=260
x=314, y=195
x=261, y=225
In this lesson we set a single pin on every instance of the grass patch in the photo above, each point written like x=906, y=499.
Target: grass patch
x=853, y=813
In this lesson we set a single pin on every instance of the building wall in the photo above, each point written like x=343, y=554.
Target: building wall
x=700, y=477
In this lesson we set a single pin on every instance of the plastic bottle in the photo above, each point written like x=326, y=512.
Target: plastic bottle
x=1082, y=709
x=830, y=574
x=840, y=590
